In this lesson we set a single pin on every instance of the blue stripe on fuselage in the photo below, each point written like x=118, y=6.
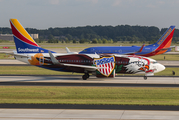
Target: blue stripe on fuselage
x=118, y=50
x=23, y=47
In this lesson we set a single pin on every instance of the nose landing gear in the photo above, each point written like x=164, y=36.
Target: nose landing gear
x=145, y=77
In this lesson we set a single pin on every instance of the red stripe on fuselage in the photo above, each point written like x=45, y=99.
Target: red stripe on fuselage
x=20, y=36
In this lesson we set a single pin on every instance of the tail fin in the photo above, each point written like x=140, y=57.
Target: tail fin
x=166, y=39
x=23, y=41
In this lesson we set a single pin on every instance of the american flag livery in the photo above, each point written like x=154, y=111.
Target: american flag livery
x=107, y=65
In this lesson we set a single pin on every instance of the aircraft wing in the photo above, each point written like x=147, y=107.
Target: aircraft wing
x=89, y=68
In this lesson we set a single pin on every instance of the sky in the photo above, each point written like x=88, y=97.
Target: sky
x=43, y=14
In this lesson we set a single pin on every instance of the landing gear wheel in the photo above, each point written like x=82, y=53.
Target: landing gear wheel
x=87, y=75
x=84, y=77
x=145, y=77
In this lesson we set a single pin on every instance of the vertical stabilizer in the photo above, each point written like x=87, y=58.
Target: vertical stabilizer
x=163, y=44
x=23, y=41
x=166, y=39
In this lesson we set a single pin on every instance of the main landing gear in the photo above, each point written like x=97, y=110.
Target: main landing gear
x=85, y=76
x=145, y=77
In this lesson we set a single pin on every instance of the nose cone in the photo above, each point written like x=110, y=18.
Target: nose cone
x=160, y=67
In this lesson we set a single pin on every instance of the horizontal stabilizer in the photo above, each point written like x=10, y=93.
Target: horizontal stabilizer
x=16, y=54
x=164, y=49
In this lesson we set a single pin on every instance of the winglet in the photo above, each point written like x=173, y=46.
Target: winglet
x=68, y=51
x=140, y=50
x=54, y=60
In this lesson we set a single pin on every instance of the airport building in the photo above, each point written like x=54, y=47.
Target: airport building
x=34, y=36
x=10, y=36
x=6, y=36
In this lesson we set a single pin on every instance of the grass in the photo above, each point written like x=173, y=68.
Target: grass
x=89, y=95
x=80, y=47
x=30, y=70
x=168, y=72
x=33, y=70
x=6, y=56
x=167, y=57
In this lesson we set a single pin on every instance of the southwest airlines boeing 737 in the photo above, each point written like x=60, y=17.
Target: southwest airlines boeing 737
x=30, y=52
x=160, y=47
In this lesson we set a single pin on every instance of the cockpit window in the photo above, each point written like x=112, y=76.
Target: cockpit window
x=154, y=62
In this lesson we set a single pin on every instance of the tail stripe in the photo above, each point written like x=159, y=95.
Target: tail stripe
x=21, y=37
x=21, y=33
x=23, y=41
x=167, y=42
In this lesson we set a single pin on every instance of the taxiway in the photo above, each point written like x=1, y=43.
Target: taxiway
x=77, y=79
x=63, y=114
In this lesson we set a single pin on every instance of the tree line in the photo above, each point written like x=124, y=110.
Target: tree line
x=98, y=34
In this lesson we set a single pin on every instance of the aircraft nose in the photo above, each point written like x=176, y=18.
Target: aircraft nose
x=160, y=67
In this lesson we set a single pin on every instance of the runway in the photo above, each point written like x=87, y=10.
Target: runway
x=63, y=114
x=76, y=79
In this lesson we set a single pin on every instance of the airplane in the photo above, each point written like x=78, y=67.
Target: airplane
x=160, y=47
x=28, y=51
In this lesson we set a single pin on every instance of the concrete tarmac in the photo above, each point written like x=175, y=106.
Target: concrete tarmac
x=76, y=114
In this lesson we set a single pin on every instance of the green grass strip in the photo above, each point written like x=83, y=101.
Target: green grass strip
x=6, y=56
x=169, y=57
x=89, y=95
x=30, y=70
